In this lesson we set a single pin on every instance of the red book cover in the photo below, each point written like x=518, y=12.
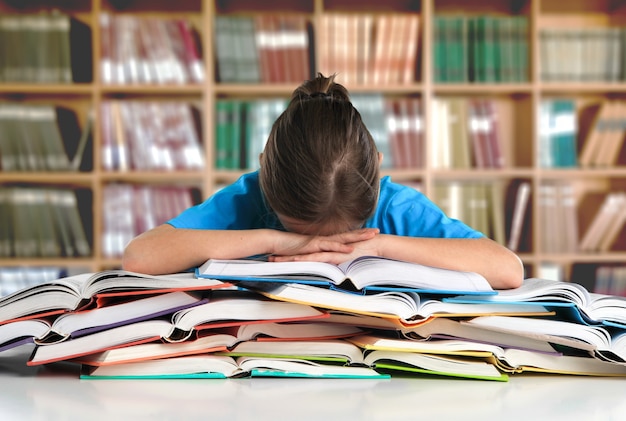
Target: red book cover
x=393, y=130
x=417, y=131
x=302, y=57
x=106, y=55
x=293, y=47
x=409, y=55
x=477, y=133
x=496, y=158
x=324, y=35
x=382, y=41
x=195, y=66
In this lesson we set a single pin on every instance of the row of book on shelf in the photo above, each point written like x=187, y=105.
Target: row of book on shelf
x=166, y=135
x=589, y=136
x=255, y=318
x=129, y=210
x=44, y=48
x=150, y=135
x=43, y=138
x=359, y=48
x=483, y=49
x=466, y=134
x=242, y=128
x=149, y=50
x=594, y=222
x=52, y=47
x=582, y=54
x=42, y=222
x=565, y=229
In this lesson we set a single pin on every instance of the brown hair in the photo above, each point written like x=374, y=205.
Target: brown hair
x=320, y=163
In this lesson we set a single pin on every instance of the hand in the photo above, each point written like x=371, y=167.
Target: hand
x=333, y=249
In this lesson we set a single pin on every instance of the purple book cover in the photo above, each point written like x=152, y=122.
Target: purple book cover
x=167, y=312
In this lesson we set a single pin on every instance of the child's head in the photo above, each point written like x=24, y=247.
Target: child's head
x=320, y=167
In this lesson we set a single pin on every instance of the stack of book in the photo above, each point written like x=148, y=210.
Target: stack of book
x=367, y=318
x=480, y=49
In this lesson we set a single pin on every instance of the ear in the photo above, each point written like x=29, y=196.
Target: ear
x=380, y=159
x=261, y=158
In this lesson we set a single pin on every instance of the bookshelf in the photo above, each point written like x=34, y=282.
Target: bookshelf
x=516, y=99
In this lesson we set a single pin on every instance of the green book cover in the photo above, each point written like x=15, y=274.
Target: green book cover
x=439, y=49
x=346, y=375
x=563, y=133
x=235, y=133
x=521, y=50
x=222, y=110
x=399, y=368
x=490, y=48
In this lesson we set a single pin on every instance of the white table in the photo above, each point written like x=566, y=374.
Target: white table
x=56, y=393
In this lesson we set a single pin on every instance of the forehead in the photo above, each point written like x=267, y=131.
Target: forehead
x=326, y=228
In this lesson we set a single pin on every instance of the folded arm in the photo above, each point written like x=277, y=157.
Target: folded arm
x=166, y=249
x=501, y=267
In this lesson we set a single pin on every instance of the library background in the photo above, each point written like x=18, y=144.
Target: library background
x=117, y=114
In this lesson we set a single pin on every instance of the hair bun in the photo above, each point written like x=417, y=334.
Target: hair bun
x=321, y=87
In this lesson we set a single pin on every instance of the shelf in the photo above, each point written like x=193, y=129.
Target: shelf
x=150, y=177
x=74, y=178
x=47, y=89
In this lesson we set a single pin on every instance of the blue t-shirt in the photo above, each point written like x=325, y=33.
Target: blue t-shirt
x=401, y=210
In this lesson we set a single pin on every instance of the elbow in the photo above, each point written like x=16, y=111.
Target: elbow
x=512, y=275
x=132, y=261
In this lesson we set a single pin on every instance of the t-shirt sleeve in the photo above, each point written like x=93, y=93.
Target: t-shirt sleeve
x=408, y=212
x=237, y=206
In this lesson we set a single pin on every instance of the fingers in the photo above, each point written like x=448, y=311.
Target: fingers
x=328, y=257
x=356, y=235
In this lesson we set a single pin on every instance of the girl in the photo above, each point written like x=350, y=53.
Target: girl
x=318, y=196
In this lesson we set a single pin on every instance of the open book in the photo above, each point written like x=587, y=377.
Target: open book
x=404, y=308
x=443, y=328
x=179, y=327
x=218, y=366
x=214, y=340
x=74, y=324
x=364, y=273
x=593, y=308
x=596, y=340
x=521, y=361
x=508, y=360
x=77, y=292
x=342, y=351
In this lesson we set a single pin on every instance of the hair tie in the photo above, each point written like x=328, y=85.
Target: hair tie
x=320, y=95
